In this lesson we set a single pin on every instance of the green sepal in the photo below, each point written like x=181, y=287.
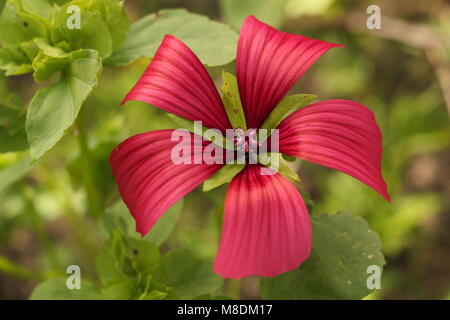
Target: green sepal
x=281, y=164
x=232, y=101
x=288, y=105
x=289, y=158
x=222, y=176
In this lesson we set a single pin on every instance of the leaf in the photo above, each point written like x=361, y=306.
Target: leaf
x=213, y=42
x=186, y=275
x=48, y=61
x=54, y=109
x=343, y=248
x=12, y=124
x=154, y=295
x=56, y=289
x=117, y=20
x=222, y=176
x=14, y=61
x=118, y=217
x=126, y=260
x=232, y=101
x=211, y=297
x=103, y=26
x=144, y=254
x=119, y=291
x=109, y=262
x=269, y=11
x=288, y=105
x=165, y=225
x=21, y=21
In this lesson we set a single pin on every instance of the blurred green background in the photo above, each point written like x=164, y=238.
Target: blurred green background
x=401, y=72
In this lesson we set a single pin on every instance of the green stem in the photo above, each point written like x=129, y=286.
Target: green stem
x=10, y=267
x=233, y=288
x=92, y=194
x=84, y=234
x=39, y=229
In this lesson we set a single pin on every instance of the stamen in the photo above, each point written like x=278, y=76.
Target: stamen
x=247, y=141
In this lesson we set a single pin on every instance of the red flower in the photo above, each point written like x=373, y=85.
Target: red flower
x=266, y=229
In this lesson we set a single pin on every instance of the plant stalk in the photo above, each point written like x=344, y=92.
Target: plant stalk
x=95, y=207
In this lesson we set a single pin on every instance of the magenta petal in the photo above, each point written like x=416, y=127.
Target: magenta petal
x=268, y=64
x=339, y=134
x=149, y=182
x=266, y=229
x=177, y=82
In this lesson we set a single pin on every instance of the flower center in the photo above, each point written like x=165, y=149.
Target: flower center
x=246, y=141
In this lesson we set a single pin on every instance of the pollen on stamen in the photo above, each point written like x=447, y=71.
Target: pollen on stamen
x=246, y=141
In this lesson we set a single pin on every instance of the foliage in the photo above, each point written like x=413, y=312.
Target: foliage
x=60, y=194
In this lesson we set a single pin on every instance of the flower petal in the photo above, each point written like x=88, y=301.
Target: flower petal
x=268, y=63
x=339, y=134
x=149, y=181
x=266, y=228
x=177, y=82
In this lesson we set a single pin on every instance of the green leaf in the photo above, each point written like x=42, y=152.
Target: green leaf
x=145, y=255
x=308, y=201
x=232, y=101
x=117, y=20
x=119, y=291
x=222, y=176
x=213, y=42
x=54, y=109
x=288, y=105
x=277, y=162
x=109, y=262
x=14, y=61
x=21, y=21
x=186, y=275
x=56, y=289
x=269, y=11
x=126, y=260
x=118, y=217
x=343, y=248
x=154, y=295
x=12, y=125
x=211, y=297
x=48, y=61
x=103, y=26
x=165, y=225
